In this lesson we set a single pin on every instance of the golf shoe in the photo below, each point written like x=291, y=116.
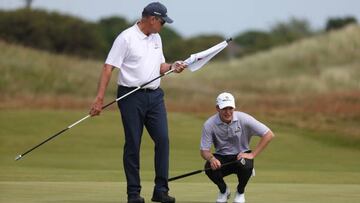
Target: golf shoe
x=239, y=198
x=223, y=197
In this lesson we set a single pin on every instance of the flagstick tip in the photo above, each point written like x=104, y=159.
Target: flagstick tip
x=18, y=157
x=229, y=39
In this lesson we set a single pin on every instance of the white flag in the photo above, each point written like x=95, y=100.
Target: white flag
x=196, y=61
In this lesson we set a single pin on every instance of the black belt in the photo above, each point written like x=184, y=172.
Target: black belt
x=141, y=89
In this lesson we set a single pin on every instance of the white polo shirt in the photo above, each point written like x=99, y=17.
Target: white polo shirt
x=232, y=138
x=138, y=57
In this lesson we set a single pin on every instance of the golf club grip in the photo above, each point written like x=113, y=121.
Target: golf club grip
x=225, y=164
x=108, y=104
x=185, y=175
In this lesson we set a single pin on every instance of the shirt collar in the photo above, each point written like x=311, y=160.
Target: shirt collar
x=140, y=34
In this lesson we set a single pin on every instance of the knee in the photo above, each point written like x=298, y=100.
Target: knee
x=210, y=173
x=247, y=164
x=207, y=167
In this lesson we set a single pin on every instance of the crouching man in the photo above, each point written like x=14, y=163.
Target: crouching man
x=230, y=132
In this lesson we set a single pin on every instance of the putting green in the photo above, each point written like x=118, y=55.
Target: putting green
x=106, y=192
x=85, y=164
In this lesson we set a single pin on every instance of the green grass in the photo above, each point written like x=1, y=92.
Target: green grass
x=326, y=63
x=29, y=71
x=311, y=84
x=85, y=163
x=307, y=92
x=114, y=192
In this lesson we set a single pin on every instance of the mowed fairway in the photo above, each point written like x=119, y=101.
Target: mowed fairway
x=85, y=163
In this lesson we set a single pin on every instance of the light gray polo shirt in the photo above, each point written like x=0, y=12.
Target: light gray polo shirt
x=232, y=138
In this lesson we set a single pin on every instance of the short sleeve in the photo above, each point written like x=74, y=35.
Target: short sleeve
x=255, y=126
x=206, y=138
x=117, y=52
x=162, y=52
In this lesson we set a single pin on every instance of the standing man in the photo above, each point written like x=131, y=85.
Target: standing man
x=138, y=53
x=230, y=131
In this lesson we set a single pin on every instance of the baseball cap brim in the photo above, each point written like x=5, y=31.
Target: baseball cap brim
x=227, y=104
x=167, y=19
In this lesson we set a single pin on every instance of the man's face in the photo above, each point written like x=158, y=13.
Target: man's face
x=226, y=114
x=158, y=23
x=160, y=20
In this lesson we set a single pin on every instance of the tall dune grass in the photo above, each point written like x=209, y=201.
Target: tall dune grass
x=32, y=72
x=313, y=83
x=330, y=62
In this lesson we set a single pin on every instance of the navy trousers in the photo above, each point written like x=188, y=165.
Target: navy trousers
x=139, y=109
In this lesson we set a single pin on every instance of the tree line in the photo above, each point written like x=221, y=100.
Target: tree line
x=67, y=34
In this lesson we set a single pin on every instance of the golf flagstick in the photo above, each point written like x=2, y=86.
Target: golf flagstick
x=195, y=62
x=88, y=116
x=242, y=161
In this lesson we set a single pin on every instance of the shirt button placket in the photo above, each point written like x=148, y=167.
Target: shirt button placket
x=228, y=130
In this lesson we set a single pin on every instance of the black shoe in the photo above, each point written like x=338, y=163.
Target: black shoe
x=162, y=197
x=136, y=200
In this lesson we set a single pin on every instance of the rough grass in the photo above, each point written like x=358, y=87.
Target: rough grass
x=312, y=84
x=26, y=71
x=326, y=63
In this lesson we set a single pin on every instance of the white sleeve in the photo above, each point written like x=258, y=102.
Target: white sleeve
x=162, y=51
x=117, y=52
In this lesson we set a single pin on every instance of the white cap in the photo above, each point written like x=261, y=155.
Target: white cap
x=225, y=100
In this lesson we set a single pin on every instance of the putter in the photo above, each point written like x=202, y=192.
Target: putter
x=242, y=161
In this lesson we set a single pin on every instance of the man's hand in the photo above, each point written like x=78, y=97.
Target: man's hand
x=105, y=77
x=264, y=141
x=215, y=163
x=245, y=155
x=178, y=66
x=96, y=107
